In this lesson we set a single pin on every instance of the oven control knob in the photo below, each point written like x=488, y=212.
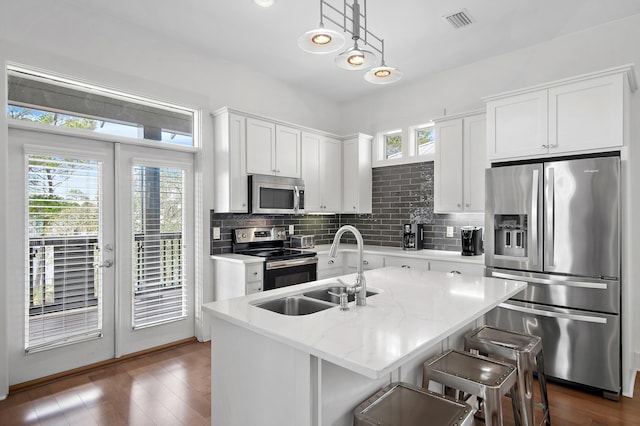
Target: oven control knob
x=244, y=235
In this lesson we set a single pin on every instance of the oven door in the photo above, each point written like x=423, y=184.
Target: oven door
x=282, y=273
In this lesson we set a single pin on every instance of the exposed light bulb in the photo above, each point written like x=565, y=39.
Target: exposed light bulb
x=321, y=39
x=356, y=59
x=382, y=73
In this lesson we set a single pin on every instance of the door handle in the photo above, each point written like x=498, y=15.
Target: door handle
x=551, y=212
x=106, y=264
x=535, y=187
x=574, y=317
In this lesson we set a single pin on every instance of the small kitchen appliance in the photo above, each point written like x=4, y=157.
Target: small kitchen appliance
x=413, y=236
x=282, y=266
x=471, y=240
x=302, y=241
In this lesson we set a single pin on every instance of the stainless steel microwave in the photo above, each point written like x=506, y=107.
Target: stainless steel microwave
x=275, y=195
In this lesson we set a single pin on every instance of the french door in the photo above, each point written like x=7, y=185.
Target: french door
x=101, y=261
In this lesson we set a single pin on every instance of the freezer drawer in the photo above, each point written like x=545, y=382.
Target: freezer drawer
x=581, y=293
x=579, y=346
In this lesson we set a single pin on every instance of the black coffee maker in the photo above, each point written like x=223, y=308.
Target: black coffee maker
x=471, y=240
x=413, y=236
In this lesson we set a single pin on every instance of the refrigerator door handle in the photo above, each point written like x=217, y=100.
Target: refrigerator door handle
x=549, y=243
x=574, y=317
x=534, y=218
x=578, y=284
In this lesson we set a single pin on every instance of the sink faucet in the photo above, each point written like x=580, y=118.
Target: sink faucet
x=360, y=286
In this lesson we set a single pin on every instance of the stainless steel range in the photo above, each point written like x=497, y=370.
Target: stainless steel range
x=283, y=266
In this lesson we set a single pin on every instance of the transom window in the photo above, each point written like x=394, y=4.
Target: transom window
x=393, y=145
x=425, y=140
x=56, y=102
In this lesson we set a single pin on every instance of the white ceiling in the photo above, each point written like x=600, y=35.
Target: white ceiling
x=417, y=40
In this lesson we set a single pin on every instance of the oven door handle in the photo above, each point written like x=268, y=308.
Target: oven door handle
x=578, y=284
x=574, y=317
x=279, y=264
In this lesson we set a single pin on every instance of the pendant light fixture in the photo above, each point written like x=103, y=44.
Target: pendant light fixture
x=321, y=40
x=358, y=57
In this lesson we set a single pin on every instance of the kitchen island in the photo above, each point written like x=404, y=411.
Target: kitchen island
x=274, y=369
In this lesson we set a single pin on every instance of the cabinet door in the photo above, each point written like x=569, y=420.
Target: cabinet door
x=287, y=152
x=474, y=158
x=587, y=115
x=260, y=147
x=517, y=125
x=406, y=262
x=356, y=175
x=311, y=172
x=462, y=267
x=330, y=174
x=447, y=177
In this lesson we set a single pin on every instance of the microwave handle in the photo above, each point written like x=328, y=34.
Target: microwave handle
x=296, y=200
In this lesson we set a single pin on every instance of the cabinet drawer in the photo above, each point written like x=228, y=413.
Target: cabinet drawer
x=371, y=261
x=254, y=272
x=463, y=268
x=406, y=262
x=254, y=287
x=325, y=262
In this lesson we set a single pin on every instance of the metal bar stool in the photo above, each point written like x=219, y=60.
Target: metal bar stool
x=477, y=375
x=525, y=352
x=401, y=404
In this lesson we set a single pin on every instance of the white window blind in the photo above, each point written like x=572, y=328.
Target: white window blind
x=63, y=285
x=159, y=288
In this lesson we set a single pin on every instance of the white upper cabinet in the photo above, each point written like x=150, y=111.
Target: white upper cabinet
x=230, y=193
x=587, y=113
x=321, y=171
x=356, y=174
x=272, y=149
x=459, y=164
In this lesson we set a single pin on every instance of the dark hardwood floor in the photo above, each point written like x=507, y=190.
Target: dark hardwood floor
x=172, y=388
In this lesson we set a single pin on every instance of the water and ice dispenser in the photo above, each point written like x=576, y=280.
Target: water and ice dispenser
x=511, y=235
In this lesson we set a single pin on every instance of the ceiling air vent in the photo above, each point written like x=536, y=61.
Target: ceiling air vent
x=459, y=19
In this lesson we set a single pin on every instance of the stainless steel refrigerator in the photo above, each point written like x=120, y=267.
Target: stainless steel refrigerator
x=556, y=225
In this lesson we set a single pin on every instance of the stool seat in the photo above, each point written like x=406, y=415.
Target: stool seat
x=472, y=374
x=401, y=404
x=525, y=352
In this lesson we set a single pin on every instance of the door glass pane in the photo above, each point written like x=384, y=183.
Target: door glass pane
x=159, y=288
x=63, y=285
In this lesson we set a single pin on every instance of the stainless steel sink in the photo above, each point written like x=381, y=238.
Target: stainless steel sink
x=324, y=294
x=295, y=305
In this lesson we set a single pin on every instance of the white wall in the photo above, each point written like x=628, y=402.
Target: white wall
x=461, y=89
x=169, y=72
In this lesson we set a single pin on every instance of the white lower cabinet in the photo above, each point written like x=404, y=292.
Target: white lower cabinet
x=370, y=261
x=330, y=267
x=406, y=262
x=461, y=267
x=235, y=279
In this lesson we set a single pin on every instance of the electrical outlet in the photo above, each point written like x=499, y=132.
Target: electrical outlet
x=291, y=229
x=449, y=231
x=216, y=233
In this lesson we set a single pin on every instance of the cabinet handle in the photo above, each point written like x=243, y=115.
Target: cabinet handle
x=545, y=146
x=331, y=262
x=459, y=204
x=455, y=272
x=255, y=273
x=406, y=266
x=278, y=171
x=365, y=262
x=553, y=146
x=354, y=207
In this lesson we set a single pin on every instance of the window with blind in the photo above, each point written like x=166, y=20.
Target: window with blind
x=63, y=286
x=159, y=288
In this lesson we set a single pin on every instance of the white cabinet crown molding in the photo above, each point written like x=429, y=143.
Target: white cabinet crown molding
x=628, y=70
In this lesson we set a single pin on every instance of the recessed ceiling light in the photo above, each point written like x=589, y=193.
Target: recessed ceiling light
x=265, y=3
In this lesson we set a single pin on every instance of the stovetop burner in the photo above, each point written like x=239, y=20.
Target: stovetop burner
x=267, y=243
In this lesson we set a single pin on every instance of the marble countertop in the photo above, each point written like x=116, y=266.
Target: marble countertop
x=413, y=311
x=450, y=256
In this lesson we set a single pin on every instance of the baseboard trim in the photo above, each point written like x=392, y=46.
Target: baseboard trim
x=95, y=366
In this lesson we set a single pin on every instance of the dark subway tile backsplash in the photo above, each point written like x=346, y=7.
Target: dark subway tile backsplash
x=400, y=194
